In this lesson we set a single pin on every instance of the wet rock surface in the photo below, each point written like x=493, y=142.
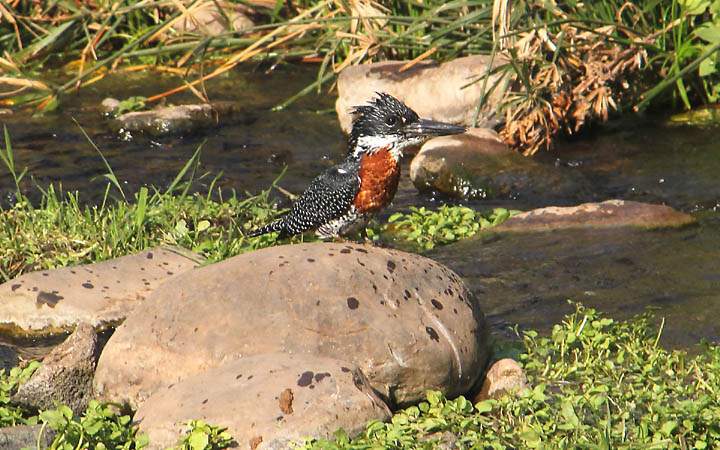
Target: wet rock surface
x=175, y=120
x=409, y=323
x=503, y=376
x=610, y=213
x=102, y=294
x=437, y=91
x=527, y=278
x=65, y=375
x=25, y=436
x=266, y=401
x=478, y=166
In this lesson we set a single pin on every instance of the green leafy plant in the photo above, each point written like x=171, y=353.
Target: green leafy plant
x=201, y=436
x=425, y=228
x=130, y=104
x=101, y=427
x=9, y=414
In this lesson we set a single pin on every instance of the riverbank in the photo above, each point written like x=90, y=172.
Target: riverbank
x=588, y=387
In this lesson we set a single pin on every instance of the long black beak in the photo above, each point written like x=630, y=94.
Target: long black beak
x=425, y=127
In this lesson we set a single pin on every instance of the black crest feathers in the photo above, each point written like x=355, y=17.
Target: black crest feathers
x=382, y=115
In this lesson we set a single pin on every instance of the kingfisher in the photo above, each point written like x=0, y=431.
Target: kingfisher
x=342, y=199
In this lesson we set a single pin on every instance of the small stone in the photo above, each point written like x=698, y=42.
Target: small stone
x=442, y=441
x=5, y=112
x=65, y=375
x=108, y=105
x=25, y=436
x=436, y=91
x=610, y=213
x=504, y=376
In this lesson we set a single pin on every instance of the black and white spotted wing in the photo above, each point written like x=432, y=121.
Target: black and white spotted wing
x=328, y=199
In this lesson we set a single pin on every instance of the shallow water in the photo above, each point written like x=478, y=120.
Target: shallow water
x=250, y=152
x=523, y=279
x=527, y=279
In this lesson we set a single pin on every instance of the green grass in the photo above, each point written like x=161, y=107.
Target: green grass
x=60, y=231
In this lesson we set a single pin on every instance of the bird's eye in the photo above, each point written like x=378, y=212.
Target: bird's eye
x=391, y=121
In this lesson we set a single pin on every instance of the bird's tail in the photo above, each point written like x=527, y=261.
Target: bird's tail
x=275, y=225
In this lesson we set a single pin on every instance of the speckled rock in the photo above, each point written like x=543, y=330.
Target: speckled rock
x=478, y=165
x=504, y=376
x=212, y=18
x=25, y=436
x=266, y=402
x=174, y=120
x=101, y=294
x=442, y=92
x=409, y=323
x=610, y=213
x=65, y=375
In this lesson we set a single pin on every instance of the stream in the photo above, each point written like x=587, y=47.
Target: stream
x=523, y=279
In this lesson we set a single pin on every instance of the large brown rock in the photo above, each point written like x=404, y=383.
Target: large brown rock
x=266, y=402
x=409, y=323
x=65, y=375
x=610, y=213
x=477, y=165
x=438, y=91
x=101, y=294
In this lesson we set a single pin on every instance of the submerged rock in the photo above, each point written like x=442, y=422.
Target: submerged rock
x=610, y=213
x=174, y=120
x=443, y=92
x=266, y=402
x=65, y=375
x=477, y=165
x=406, y=321
x=102, y=294
x=503, y=376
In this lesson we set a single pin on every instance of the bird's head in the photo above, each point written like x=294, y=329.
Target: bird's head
x=387, y=123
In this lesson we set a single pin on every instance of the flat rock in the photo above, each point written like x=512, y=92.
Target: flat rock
x=65, y=375
x=102, y=294
x=406, y=321
x=437, y=91
x=266, y=402
x=477, y=165
x=610, y=213
x=174, y=120
x=504, y=376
